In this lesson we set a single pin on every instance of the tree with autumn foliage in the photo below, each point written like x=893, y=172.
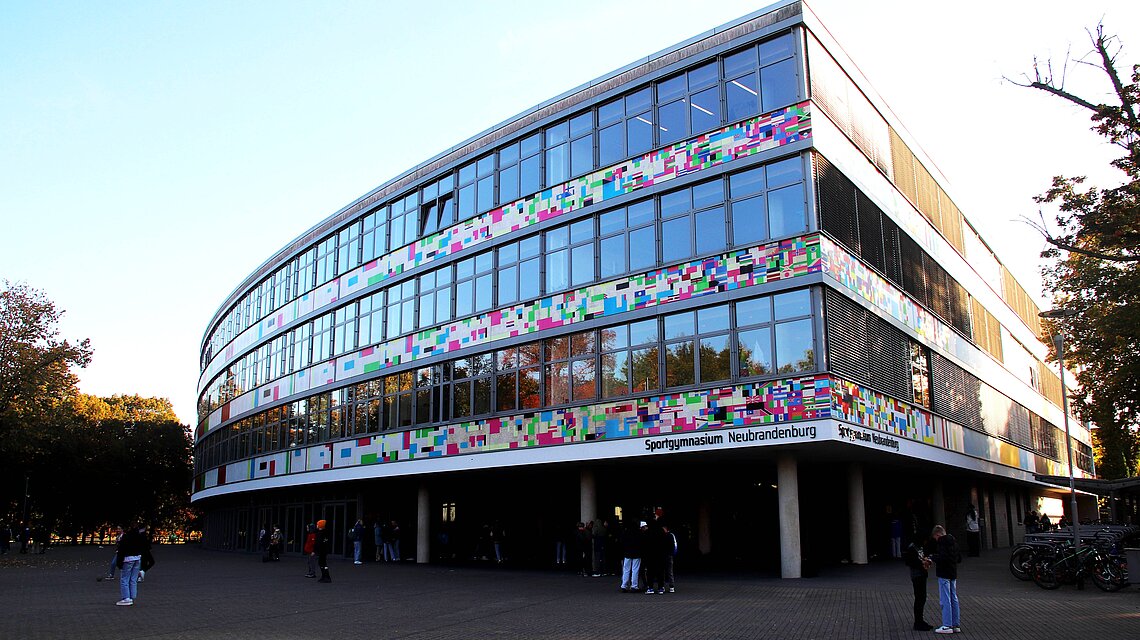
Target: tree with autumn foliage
x=88, y=461
x=1093, y=259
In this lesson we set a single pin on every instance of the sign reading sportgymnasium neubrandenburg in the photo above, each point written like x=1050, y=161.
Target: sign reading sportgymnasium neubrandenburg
x=717, y=440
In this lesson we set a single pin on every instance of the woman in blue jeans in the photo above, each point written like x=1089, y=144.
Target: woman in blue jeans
x=133, y=556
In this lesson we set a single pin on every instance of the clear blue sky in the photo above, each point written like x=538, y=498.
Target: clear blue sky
x=152, y=154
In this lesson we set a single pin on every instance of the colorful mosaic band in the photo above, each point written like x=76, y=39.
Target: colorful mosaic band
x=735, y=270
x=740, y=140
x=797, y=399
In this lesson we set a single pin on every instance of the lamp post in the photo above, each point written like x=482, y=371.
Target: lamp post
x=1059, y=342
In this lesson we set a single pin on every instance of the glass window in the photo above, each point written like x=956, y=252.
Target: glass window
x=676, y=240
x=786, y=211
x=776, y=48
x=749, y=221
x=613, y=255
x=639, y=133
x=611, y=144
x=671, y=120
x=716, y=361
x=755, y=348
x=711, y=236
x=582, y=155
x=702, y=76
x=785, y=172
x=792, y=304
x=557, y=270
x=778, y=85
x=794, y=346
x=557, y=164
x=742, y=97
x=740, y=62
x=643, y=248
x=706, y=110
x=582, y=258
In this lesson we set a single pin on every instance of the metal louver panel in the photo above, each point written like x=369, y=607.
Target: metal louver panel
x=913, y=275
x=835, y=199
x=871, y=232
x=866, y=349
x=846, y=324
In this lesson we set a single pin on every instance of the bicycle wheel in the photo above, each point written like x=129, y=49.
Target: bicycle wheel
x=1108, y=576
x=1045, y=575
x=1021, y=562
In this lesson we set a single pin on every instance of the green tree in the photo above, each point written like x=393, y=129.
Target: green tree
x=35, y=384
x=1093, y=259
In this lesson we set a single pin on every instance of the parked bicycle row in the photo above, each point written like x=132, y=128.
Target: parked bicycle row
x=1052, y=559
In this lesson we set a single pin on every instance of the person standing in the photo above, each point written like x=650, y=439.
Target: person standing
x=323, y=546
x=276, y=540
x=310, y=550
x=945, y=558
x=357, y=535
x=599, y=542
x=5, y=539
x=117, y=535
x=392, y=543
x=631, y=542
x=134, y=551
x=670, y=553
x=973, y=533
x=919, y=565
x=896, y=531
x=378, y=538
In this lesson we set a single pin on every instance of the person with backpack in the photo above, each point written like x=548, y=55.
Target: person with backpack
x=310, y=550
x=946, y=557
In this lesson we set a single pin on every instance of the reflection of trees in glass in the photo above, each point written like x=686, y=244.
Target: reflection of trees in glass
x=715, y=359
x=806, y=363
x=679, y=368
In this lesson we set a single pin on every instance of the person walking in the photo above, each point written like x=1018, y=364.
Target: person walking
x=323, y=546
x=919, y=566
x=973, y=533
x=946, y=557
x=631, y=543
x=133, y=554
x=357, y=536
x=310, y=550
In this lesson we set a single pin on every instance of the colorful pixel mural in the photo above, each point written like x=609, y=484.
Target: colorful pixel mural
x=740, y=140
x=796, y=399
x=735, y=270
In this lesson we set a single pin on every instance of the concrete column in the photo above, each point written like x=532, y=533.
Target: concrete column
x=788, y=495
x=588, y=502
x=423, y=526
x=938, y=504
x=704, y=535
x=856, y=514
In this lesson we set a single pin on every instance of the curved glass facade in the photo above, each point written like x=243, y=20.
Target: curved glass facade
x=728, y=243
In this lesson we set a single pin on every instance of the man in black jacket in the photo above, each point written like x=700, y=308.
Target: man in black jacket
x=946, y=557
x=918, y=564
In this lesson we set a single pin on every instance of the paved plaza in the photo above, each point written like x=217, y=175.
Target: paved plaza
x=193, y=593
